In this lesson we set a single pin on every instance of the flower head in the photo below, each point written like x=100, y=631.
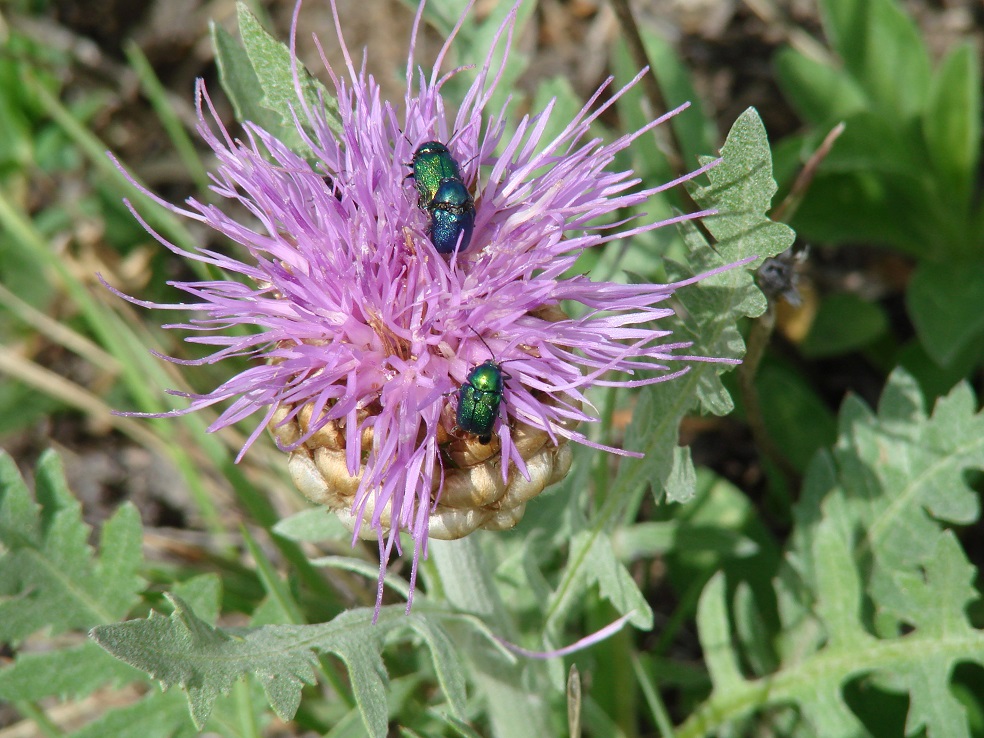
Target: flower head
x=364, y=334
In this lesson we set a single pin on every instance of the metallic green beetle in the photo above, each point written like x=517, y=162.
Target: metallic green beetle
x=452, y=217
x=479, y=399
x=432, y=162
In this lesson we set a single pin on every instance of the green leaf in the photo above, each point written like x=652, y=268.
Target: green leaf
x=681, y=484
x=155, y=716
x=49, y=575
x=240, y=83
x=873, y=143
x=795, y=416
x=65, y=673
x=715, y=636
x=869, y=539
x=592, y=561
x=865, y=206
x=268, y=66
x=647, y=540
x=741, y=188
x=934, y=379
x=185, y=651
x=312, y=525
x=944, y=301
x=881, y=47
x=752, y=631
x=843, y=323
x=820, y=93
x=952, y=122
x=896, y=69
x=693, y=130
x=845, y=22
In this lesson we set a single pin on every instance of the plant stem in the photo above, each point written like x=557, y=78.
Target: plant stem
x=516, y=695
x=758, y=339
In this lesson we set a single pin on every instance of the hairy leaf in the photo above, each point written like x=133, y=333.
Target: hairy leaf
x=185, y=651
x=49, y=575
x=65, y=672
x=268, y=65
x=741, y=189
x=876, y=587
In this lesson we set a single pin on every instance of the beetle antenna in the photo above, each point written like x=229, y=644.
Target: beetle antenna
x=479, y=335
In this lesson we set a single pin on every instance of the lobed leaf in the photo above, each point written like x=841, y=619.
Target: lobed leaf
x=741, y=189
x=182, y=650
x=49, y=575
x=875, y=586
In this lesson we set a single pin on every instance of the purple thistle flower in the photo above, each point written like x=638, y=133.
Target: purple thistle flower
x=364, y=333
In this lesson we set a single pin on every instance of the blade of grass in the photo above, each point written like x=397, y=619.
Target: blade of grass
x=157, y=95
x=659, y=712
x=59, y=333
x=137, y=364
x=95, y=150
x=64, y=390
x=113, y=335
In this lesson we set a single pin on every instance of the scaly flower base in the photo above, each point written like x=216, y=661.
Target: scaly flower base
x=473, y=495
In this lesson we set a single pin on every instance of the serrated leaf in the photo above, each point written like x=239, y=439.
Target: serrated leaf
x=917, y=464
x=741, y=189
x=869, y=538
x=203, y=594
x=49, y=575
x=592, y=561
x=183, y=650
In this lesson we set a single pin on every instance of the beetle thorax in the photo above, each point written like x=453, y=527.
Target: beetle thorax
x=486, y=377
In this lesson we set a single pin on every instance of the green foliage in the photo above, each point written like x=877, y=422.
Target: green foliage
x=844, y=323
x=741, y=188
x=853, y=612
x=186, y=651
x=49, y=575
x=904, y=173
x=267, y=65
x=875, y=585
